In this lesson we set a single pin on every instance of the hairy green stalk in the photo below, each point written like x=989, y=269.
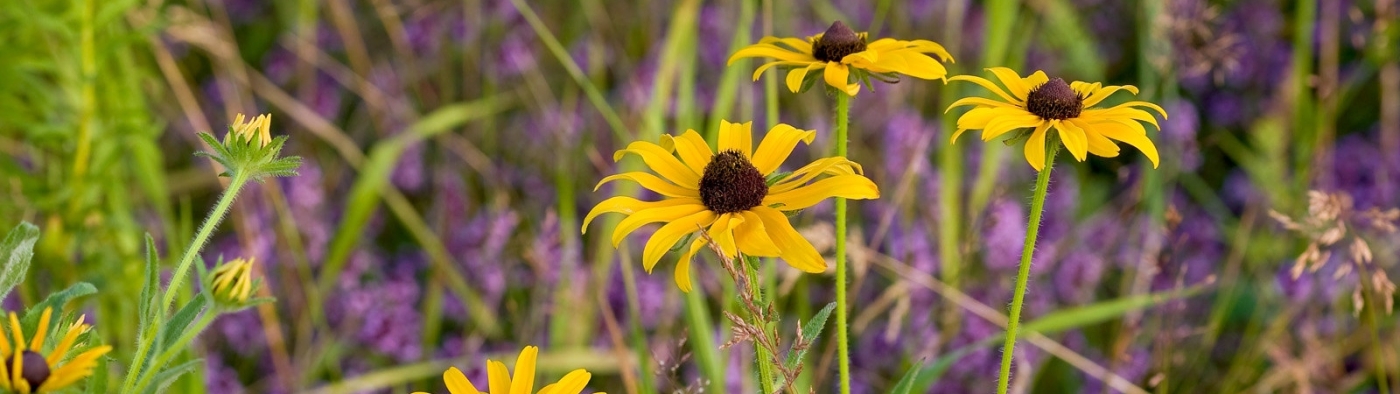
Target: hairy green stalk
x=171, y=352
x=762, y=357
x=186, y=260
x=1042, y=184
x=843, y=347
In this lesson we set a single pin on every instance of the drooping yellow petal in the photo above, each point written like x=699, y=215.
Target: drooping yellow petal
x=759, y=71
x=1073, y=138
x=796, y=75
x=752, y=237
x=777, y=145
x=653, y=215
x=457, y=382
x=977, y=101
x=693, y=150
x=1098, y=144
x=524, y=379
x=651, y=182
x=497, y=377
x=1035, y=147
x=76, y=369
x=854, y=187
x=663, y=162
x=42, y=330
x=795, y=44
x=1154, y=107
x=736, y=137
x=824, y=166
x=913, y=64
x=683, y=265
x=667, y=235
x=722, y=232
x=989, y=86
x=1121, y=132
x=629, y=205
x=1012, y=81
x=572, y=383
x=837, y=75
x=796, y=251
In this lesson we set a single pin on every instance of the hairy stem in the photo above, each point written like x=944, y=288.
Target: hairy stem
x=843, y=347
x=1042, y=184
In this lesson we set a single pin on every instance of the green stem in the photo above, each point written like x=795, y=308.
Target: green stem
x=179, y=346
x=1042, y=184
x=202, y=237
x=843, y=348
x=762, y=357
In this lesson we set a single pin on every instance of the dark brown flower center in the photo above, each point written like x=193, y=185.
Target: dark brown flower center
x=1054, y=100
x=732, y=184
x=34, y=369
x=837, y=42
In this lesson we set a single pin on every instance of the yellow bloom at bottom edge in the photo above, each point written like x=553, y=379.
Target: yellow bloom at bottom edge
x=25, y=367
x=500, y=380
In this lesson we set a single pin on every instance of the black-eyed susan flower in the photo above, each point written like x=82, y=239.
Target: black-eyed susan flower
x=727, y=192
x=32, y=367
x=1041, y=104
x=840, y=51
x=232, y=282
x=500, y=381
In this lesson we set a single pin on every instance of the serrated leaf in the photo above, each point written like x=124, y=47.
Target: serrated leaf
x=16, y=251
x=57, y=301
x=165, y=378
x=810, y=331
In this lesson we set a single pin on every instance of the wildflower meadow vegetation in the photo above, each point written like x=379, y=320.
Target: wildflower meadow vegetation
x=689, y=196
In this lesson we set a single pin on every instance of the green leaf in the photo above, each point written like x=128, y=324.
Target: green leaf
x=919, y=378
x=776, y=176
x=97, y=383
x=57, y=301
x=17, y=250
x=810, y=331
x=179, y=322
x=165, y=378
x=149, y=309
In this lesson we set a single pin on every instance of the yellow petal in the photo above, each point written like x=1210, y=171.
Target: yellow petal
x=837, y=75
x=1035, y=147
x=693, y=150
x=42, y=330
x=572, y=383
x=1036, y=79
x=667, y=235
x=752, y=237
x=629, y=205
x=911, y=63
x=1122, y=132
x=1155, y=107
x=825, y=166
x=663, y=162
x=796, y=75
x=457, y=382
x=1073, y=138
x=773, y=51
x=777, y=145
x=796, y=251
x=1098, y=144
x=651, y=182
x=722, y=232
x=683, y=265
x=795, y=44
x=759, y=72
x=1012, y=81
x=18, y=333
x=977, y=101
x=1004, y=124
x=498, y=377
x=653, y=215
x=524, y=382
x=1106, y=91
x=853, y=187
x=989, y=86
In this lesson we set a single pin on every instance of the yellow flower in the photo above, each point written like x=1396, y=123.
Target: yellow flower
x=1041, y=104
x=259, y=128
x=729, y=194
x=839, y=50
x=26, y=369
x=233, y=281
x=500, y=381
